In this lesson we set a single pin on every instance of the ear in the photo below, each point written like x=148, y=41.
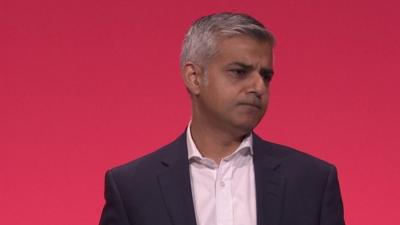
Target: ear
x=192, y=75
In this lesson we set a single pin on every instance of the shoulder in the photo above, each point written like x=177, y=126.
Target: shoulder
x=152, y=163
x=292, y=160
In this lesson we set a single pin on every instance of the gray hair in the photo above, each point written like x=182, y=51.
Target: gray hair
x=200, y=43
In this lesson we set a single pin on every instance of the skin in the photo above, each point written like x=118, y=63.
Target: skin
x=230, y=96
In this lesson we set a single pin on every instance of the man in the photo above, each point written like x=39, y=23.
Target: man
x=219, y=172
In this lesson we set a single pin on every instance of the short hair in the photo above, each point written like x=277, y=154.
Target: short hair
x=200, y=43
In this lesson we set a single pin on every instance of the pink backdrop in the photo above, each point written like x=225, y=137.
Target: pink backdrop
x=86, y=85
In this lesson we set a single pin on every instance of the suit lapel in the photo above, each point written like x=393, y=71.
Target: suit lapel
x=270, y=185
x=175, y=184
x=174, y=181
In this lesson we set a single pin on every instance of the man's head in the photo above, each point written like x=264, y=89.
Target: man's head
x=200, y=43
x=226, y=64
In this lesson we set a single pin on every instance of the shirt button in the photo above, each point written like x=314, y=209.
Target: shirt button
x=222, y=184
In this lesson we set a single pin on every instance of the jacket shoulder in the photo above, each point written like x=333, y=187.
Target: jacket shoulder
x=151, y=163
x=294, y=158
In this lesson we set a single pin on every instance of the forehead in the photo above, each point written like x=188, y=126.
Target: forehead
x=243, y=49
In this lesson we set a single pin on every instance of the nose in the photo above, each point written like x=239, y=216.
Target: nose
x=259, y=86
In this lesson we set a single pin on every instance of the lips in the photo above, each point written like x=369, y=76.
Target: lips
x=258, y=106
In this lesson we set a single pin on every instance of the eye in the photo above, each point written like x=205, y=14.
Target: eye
x=267, y=75
x=239, y=72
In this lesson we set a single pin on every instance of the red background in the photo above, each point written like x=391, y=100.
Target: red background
x=88, y=85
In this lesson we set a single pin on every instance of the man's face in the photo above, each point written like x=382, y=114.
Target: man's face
x=234, y=91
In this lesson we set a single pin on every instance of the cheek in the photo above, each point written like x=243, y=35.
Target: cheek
x=265, y=97
x=221, y=92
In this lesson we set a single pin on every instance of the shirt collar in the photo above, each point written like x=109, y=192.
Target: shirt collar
x=193, y=152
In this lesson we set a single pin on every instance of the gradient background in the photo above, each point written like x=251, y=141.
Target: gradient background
x=87, y=85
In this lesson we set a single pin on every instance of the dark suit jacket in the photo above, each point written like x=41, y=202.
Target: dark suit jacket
x=292, y=188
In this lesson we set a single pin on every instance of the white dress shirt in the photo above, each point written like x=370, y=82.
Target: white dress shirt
x=223, y=194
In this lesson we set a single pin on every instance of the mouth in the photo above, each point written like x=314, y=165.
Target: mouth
x=251, y=105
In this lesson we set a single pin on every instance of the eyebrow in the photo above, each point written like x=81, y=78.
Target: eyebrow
x=263, y=71
x=243, y=65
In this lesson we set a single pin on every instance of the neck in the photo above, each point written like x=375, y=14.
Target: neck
x=213, y=142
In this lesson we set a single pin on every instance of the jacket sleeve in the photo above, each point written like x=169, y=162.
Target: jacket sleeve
x=113, y=212
x=332, y=206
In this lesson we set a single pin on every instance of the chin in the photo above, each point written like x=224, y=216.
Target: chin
x=247, y=127
x=248, y=121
